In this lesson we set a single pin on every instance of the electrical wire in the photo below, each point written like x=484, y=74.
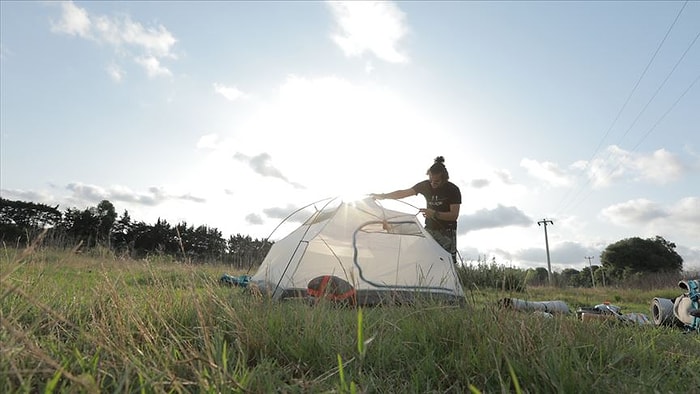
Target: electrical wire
x=576, y=200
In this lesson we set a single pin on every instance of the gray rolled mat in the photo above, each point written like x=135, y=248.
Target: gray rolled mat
x=543, y=306
x=662, y=312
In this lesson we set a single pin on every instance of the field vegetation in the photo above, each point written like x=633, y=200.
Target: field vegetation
x=95, y=322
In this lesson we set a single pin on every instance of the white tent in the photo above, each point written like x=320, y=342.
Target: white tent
x=386, y=255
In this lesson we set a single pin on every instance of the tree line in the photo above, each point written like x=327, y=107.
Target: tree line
x=629, y=260
x=99, y=226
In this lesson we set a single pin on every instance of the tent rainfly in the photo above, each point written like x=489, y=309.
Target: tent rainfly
x=385, y=256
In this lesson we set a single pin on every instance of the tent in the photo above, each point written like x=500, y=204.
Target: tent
x=384, y=255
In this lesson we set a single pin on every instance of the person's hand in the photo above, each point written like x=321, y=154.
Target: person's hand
x=428, y=213
x=378, y=196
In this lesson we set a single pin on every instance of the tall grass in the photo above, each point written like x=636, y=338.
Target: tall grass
x=77, y=323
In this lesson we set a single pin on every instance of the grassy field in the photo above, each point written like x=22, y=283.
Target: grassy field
x=81, y=323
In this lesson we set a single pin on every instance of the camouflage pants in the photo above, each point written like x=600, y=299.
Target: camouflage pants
x=447, y=238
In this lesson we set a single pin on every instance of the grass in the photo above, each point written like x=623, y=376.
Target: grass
x=96, y=323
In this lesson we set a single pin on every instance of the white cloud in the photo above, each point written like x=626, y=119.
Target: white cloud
x=146, y=46
x=280, y=212
x=691, y=257
x=546, y=171
x=261, y=164
x=254, y=219
x=209, y=141
x=659, y=167
x=505, y=176
x=152, y=66
x=92, y=194
x=479, y=183
x=74, y=21
x=368, y=26
x=634, y=212
x=28, y=195
x=157, y=41
x=369, y=67
x=501, y=216
x=685, y=216
x=231, y=93
x=115, y=72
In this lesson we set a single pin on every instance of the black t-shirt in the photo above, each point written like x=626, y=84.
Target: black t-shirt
x=440, y=200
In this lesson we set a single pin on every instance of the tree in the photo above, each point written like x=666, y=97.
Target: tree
x=202, y=243
x=21, y=221
x=570, y=277
x=107, y=215
x=159, y=238
x=537, y=276
x=81, y=226
x=122, y=233
x=635, y=255
x=542, y=275
x=245, y=251
x=96, y=226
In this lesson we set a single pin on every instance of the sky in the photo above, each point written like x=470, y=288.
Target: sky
x=234, y=114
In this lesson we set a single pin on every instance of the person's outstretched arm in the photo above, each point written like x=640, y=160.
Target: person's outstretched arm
x=395, y=195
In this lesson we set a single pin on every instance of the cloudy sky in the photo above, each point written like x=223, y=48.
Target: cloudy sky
x=234, y=114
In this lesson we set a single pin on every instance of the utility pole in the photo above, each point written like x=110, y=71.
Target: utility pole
x=546, y=243
x=591, y=267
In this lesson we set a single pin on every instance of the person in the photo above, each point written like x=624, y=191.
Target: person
x=443, y=200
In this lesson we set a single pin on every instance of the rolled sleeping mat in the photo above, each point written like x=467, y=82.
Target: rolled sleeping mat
x=681, y=309
x=687, y=285
x=543, y=306
x=662, y=312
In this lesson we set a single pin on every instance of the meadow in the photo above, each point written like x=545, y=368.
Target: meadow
x=97, y=323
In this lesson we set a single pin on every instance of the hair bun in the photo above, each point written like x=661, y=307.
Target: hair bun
x=440, y=159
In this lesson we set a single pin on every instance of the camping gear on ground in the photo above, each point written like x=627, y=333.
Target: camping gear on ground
x=331, y=288
x=681, y=311
x=592, y=315
x=231, y=280
x=662, y=312
x=543, y=306
x=603, y=311
x=636, y=317
x=385, y=255
x=687, y=303
x=543, y=314
x=606, y=307
x=606, y=311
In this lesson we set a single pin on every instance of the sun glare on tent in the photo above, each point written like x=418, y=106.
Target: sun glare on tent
x=352, y=197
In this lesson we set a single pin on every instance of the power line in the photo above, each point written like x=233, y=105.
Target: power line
x=574, y=201
x=639, y=80
x=629, y=97
x=634, y=148
x=662, y=85
x=667, y=111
